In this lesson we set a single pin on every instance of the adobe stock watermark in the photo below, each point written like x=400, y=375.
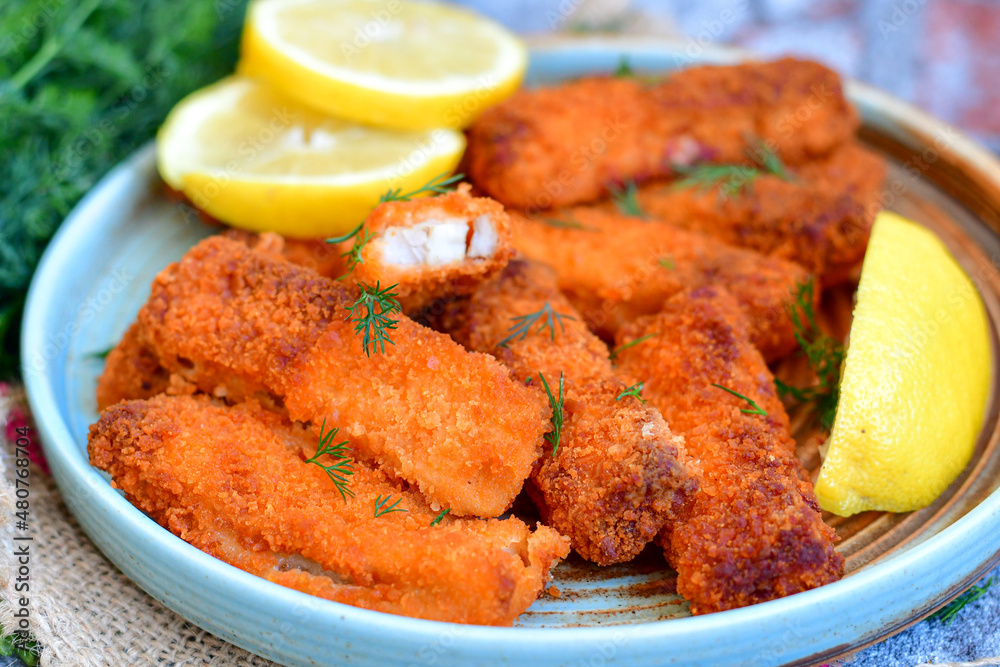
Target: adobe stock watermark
x=378, y=28
x=250, y=149
x=87, y=312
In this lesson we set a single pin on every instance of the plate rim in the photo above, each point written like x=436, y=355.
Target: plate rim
x=77, y=479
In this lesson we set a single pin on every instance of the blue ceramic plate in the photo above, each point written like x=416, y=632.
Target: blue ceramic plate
x=96, y=275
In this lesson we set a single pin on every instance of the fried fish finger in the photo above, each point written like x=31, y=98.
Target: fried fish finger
x=233, y=482
x=566, y=144
x=618, y=474
x=821, y=218
x=432, y=247
x=615, y=268
x=753, y=531
x=235, y=322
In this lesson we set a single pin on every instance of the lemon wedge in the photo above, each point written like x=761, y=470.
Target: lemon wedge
x=259, y=161
x=392, y=63
x=915, y=379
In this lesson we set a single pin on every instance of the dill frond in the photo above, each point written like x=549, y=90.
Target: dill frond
x=732, y=179
x=948, y=613
x=381, y=506
x=555, y=435
x=667, y=263
x=438, y=185
x=521, y=330
x=370, y=315
x=568, y=223
x=634, y=391
x=756, y=409
x=440, y=516
x=640, y=339
x=341, y=468
x=626, y=199
x=624, y=69
x=824, y=354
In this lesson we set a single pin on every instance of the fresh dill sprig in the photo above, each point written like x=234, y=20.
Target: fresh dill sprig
x=624, y=69
x=732, y=179
x=101, y=354
x=667, y=263
x=948, y=613
x=438, y=185
x=375, y=322
x=440, y=516
x=341, y=468
x=825, y=356
x=626, y=199
x=361, y=238
x=756, y=408
x=568, y=223
x=555, y=435
x=521, y=330
x=635, y=391
x=620, y=348
x=381, y=506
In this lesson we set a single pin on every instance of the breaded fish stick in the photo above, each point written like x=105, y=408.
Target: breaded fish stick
x=615, y=268
x=433, y=246
x=565, y=144
x=618, y=474
x=754, y=530
x=821, y=219
x=230, y=482
x=236, y=322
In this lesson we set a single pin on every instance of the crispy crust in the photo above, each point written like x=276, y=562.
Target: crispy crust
x=237, y=323
x=821, y=220
x=420, y=284
x=611, y=272
x=754, y=530
x=565, y=144
x=619, y=474
x=233, y=482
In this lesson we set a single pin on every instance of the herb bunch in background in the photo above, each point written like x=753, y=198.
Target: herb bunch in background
x=82, y=85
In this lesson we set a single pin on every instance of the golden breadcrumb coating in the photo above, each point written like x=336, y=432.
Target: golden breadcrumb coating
x=618, y=474
x=821, y=219
x=753, y=531
x=233, y=482
x=432, y=247
x=617, y=268
x=235, y=322
x=566, y=144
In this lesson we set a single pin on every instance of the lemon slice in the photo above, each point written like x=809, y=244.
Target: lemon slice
x=259, y=161
x=407, y=65
x=915, y=379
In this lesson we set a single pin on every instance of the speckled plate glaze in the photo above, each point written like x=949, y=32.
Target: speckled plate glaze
x=96, y=275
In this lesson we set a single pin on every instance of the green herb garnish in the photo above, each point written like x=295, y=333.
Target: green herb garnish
x=948, y=613
x=620, y=348
x=440, y=516
x=825, y=356
x=731, y=179
x=381, y=506
x=626, y=199
x=667, y=263
x=569, y=223
x=370, y=315
x=634, y=391
x=82, y=85
x=524, y=323
x=624, y=69
x=341, y=468
x=756, y=408
x=555, y=435
x=438, y=185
